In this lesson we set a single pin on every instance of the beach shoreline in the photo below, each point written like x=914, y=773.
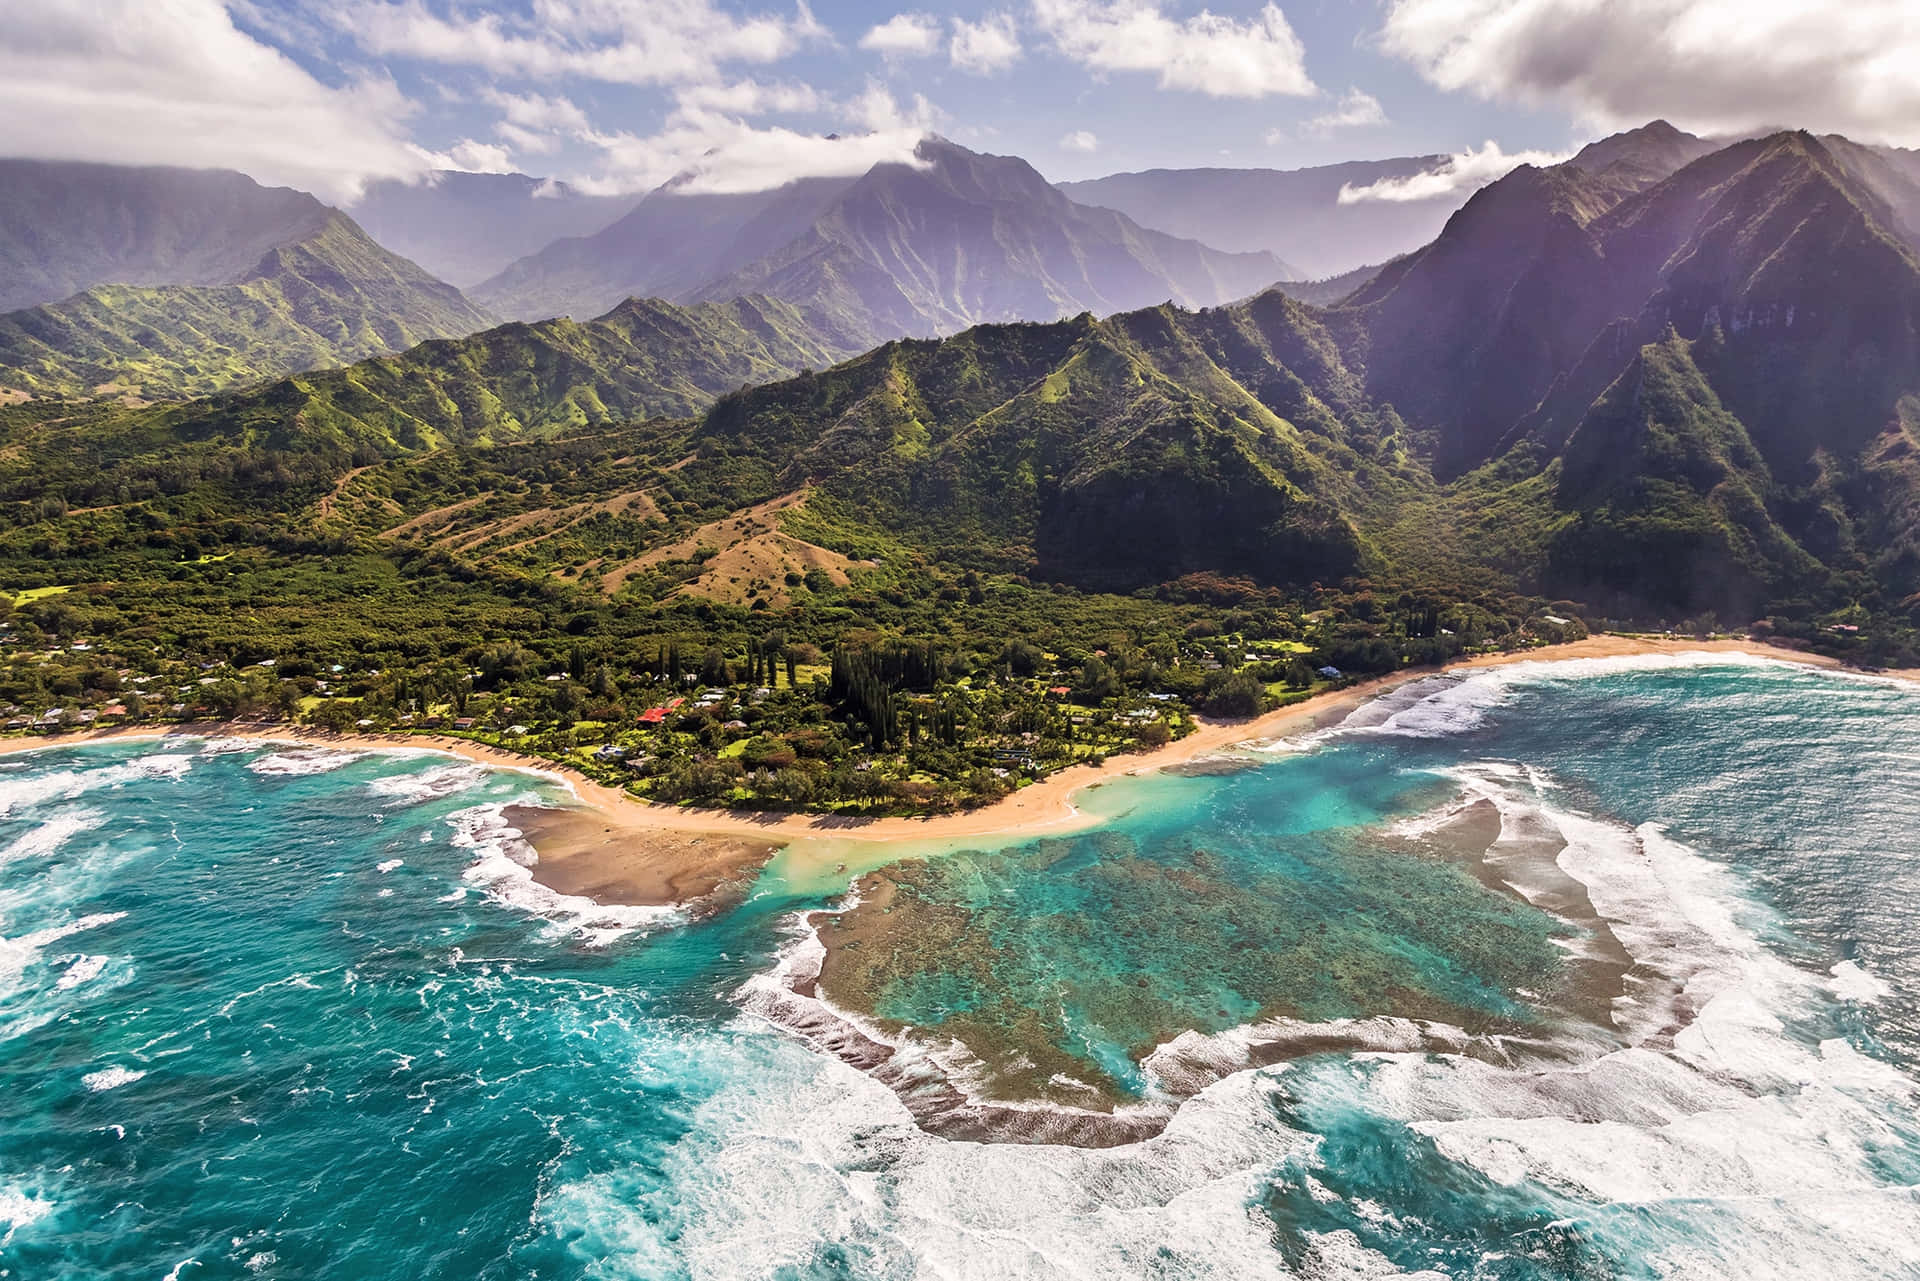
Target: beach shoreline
x=1043, y=807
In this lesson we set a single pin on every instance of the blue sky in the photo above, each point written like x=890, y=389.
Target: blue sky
x=619, y=95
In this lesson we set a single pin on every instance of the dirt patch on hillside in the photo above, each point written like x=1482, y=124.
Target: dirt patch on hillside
x=752, y=557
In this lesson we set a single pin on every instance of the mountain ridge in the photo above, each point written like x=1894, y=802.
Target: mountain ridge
x=919, y=249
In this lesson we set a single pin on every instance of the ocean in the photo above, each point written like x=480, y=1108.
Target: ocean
x=1584, y=970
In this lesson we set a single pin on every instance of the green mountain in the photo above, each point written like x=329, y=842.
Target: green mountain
x=67, y=226
x=1653, y=397
x=327, y=298
x=645, y=359
x=957, y=239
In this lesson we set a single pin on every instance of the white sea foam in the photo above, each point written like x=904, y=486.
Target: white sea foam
x=164, y=765
x=430, y=784
x=1851, y=982
x=51, y=834
x=81, y=969
x=389, y=865
x=1458, y=701
x=16, y=954
x=28, y=790
x=19, y=1209
x=502, y=867
x=110, y=1078
x=796, y=1148
x=300, y=762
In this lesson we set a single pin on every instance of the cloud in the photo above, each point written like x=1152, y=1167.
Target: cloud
x=1355, y=110
x=619, y=41
x=535, y=111
x=1713, y=66
x=1457, y=175
x=471, y=156
x=705, y=153
x=904, y=35
x=985, y=47
x=751, y=98
x=703, y=150
x=1080, y=140
x=1204, y=54
x=176, y=82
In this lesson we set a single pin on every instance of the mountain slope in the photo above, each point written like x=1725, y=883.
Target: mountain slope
x=969, y=238
x=1655, y=397
x=67, y=226
x=958, y=239
x=671, y=243
x=467, y=227
x=326, y=299
x=644, y=359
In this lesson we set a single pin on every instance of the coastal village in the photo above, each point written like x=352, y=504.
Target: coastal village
x=774, y=725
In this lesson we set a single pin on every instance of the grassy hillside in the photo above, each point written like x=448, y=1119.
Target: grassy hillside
x=327, y=299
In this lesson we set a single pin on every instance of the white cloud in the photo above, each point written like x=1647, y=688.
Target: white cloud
x=706, y=150
x=985, y=47
x=176, y=82
x=1080, y=140
x=1356, y=109
x=1461, y=173
x=620, y=41
x=719, y=154
x=1713, y=66
x=904, y=35
x=471, y=156
x=1206, y=53
x=535, y=111
x=876, y=111
x=750, y=98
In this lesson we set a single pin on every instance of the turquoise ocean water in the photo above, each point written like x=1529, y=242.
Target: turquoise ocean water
x=267, y=1012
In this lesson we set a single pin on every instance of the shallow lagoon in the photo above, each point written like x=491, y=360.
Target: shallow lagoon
x=261, y=1019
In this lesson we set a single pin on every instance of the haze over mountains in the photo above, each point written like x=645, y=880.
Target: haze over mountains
x=908, y=250
x=1295, y=214
x=467, y=227
x=66, y=226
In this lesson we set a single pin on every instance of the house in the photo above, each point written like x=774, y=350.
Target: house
x=465, y=722
x=517, y=731
x=608, y=752
x=114, y=709
x=734, y=725
x=653, y=716
x=1059, y=691
x=86, y=716
x=19, y=722
x=1330, y=673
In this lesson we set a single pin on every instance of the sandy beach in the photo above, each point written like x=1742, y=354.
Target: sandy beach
x=622, y=849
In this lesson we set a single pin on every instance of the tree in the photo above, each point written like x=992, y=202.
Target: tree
x=1239, y=695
